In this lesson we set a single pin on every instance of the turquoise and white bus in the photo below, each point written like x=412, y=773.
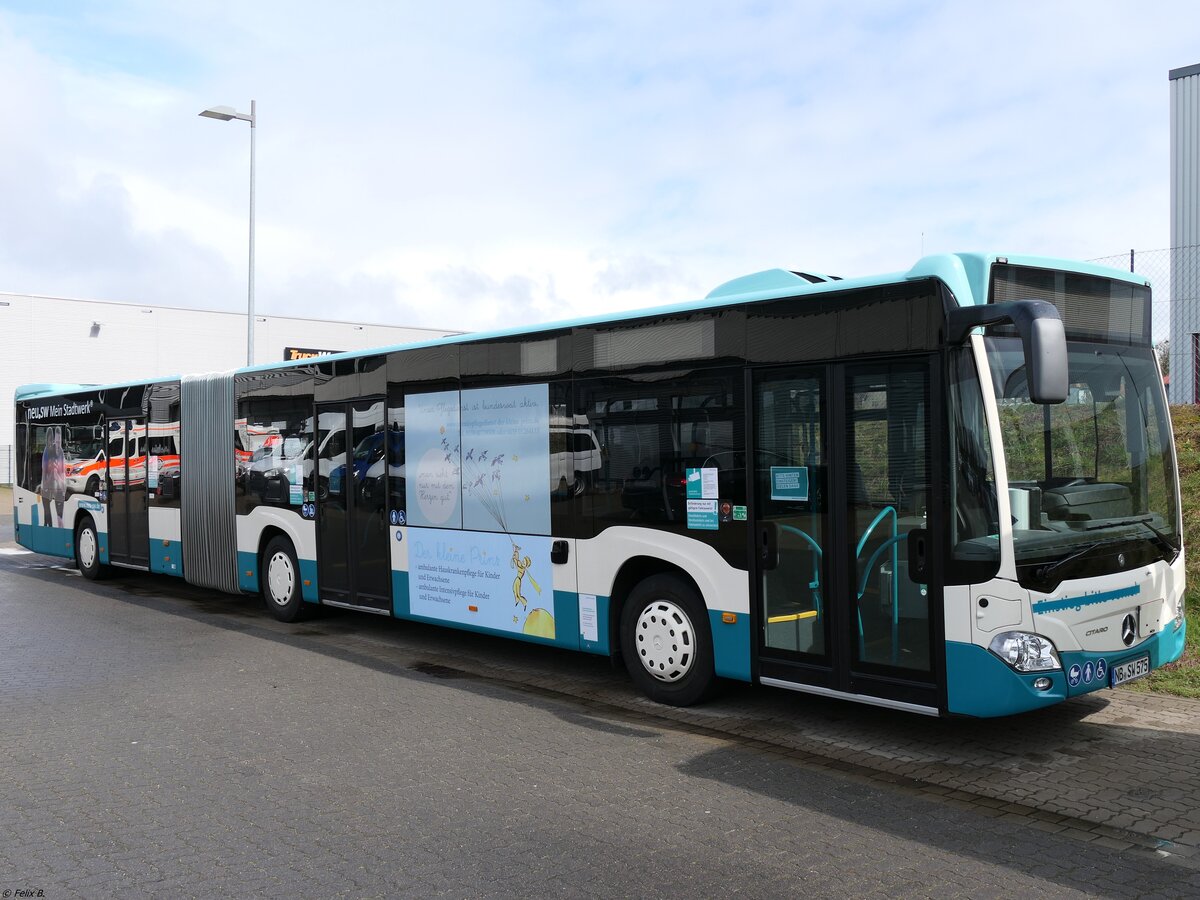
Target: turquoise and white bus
x=950, y=490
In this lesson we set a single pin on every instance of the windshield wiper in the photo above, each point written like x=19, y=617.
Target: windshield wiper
x=1050, y=568
x=1160, y=540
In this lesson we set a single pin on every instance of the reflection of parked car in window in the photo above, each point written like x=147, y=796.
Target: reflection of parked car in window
x=369, y=464
x=372, y=488
x=275, y=467
x=574, y=454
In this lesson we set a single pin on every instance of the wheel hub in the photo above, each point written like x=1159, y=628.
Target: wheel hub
x=280, y=579
x=87, y=548
x=665, y=641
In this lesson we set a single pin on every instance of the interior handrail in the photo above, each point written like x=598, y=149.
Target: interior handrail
x=815, y=584
x=883, y=513
x=890, y=543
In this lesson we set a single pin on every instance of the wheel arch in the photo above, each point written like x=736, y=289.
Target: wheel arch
x=82, y=515
x=631, y=573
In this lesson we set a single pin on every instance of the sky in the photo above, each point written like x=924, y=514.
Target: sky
x=478, y=165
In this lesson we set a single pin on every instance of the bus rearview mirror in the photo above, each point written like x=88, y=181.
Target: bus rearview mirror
x=1043, y=340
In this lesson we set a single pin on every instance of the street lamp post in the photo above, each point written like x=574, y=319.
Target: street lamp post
x=225, y=113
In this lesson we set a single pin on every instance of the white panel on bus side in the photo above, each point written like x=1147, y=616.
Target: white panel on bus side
x=26, y=501
x=997, y=606
x=599, y=559
x=957, y=612
x=566, y=574
x=399, y=547
x=303, y=532
x=164, y=524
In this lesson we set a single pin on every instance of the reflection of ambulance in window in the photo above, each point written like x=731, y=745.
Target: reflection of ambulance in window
x=574, y=453
x=90, y=460
x=83, y=454
x=162, y=451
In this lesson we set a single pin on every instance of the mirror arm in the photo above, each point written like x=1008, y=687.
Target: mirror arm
x=1020, y=313
x=1043, y=341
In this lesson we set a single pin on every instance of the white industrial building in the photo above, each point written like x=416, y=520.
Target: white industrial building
x=1185, y=234
x=65, y=341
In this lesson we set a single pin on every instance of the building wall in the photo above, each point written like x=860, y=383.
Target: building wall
x=1185, y=231
x=58, y=340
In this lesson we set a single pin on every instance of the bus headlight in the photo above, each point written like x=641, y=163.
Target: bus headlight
x=1025, y=652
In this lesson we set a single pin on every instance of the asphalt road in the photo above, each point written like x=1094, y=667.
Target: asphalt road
x=164, y=741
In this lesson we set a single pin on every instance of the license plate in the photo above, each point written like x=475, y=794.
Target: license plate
x=1128, y=671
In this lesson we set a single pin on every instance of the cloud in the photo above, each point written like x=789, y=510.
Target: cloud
x=486, y=166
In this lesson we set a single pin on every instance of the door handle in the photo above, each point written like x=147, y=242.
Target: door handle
x=768, y=549
x=918, y=555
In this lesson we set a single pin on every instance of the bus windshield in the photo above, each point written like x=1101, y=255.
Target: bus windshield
x=1091, y=481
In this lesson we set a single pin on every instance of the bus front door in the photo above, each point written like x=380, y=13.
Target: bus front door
x=353, y=567
x=841, y=477
x=128, y=509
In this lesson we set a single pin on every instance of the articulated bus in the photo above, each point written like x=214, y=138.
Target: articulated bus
x=950, y=490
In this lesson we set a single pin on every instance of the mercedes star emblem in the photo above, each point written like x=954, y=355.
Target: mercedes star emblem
x=1128, y=629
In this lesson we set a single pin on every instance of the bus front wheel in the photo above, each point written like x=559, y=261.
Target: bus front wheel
x=280, y=581
x=665, y=641
x=87, y=550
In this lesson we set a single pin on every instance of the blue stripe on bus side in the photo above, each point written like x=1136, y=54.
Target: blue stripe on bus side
x=308, y=581
x=47, y=539
x=731, y=645
x=248, y=576
x=247, y=571
x=166, y=557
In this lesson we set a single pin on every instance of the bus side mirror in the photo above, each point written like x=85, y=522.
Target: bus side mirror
x=1043, y=340
x=1046, y=360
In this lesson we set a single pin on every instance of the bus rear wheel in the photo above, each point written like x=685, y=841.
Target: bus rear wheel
x=280, y=581
x=666, y=643
x=87, y=550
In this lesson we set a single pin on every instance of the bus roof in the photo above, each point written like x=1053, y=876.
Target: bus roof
x=965, y=274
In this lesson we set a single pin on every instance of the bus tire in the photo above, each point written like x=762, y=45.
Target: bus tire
x=665, y=641
x=280, y=581
x=87, y=551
